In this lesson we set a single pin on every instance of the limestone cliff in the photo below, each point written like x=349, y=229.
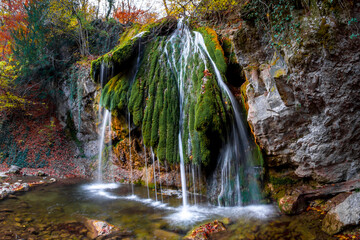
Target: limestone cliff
x=302, y=91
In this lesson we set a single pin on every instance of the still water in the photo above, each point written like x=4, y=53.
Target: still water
x=58, y=210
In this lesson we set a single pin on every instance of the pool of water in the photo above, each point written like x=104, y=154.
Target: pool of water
x=43, y=212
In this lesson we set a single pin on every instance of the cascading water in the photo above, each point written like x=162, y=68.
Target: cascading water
x=182, y=33
x=146, y=174
x=131, y=169
x=161, y=192
x=136, y=69
x=106, y=121
x=193, y=182
x=235, y=160
x=204, y=105
x=154, y=167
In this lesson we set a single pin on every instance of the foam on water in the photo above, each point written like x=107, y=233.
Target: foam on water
x=192, y=214
x=186, y=215
x=101, y=186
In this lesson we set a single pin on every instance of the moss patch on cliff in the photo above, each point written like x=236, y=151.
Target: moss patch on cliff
x=129, y=44
x=214, y=47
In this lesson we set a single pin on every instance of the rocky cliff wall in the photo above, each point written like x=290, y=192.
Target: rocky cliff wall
x=302, y=95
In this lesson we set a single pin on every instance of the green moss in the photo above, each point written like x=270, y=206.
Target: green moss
x=214, y=48
x=128, y=44
x=114, y=94
x=323, y=34
x=281, y=181
x=229, y=53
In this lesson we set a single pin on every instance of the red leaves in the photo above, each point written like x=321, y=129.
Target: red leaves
x=127, y=13
x=207, y=73
x=13, y=18
x=204, y=231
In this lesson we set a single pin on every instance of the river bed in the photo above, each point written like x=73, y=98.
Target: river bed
x=58, y=211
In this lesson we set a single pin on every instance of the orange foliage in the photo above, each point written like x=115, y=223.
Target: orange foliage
x=12, y=18
x=127, y=13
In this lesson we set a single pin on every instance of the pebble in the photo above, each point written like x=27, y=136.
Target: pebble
x=32, y=230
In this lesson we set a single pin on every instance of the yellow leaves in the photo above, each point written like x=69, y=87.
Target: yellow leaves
x=73, y=23
x=8, y=73
x=216, y=5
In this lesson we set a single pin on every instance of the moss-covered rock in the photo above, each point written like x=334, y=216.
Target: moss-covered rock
x=214, y=47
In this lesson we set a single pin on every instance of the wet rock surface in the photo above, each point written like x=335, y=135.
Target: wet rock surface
x=343, y=215
x=303, y=100
x=206, y=231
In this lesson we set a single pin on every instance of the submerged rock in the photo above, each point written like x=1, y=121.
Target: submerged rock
x=290, y=204
x=345, y=214
x=162, y=234
x=14, y=169
x=205, y=231
x=99, y=228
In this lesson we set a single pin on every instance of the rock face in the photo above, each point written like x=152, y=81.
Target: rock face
x=303, y=100
x=77, y=107
x=345, y=214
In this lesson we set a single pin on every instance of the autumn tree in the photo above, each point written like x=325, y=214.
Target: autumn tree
x=216, y=9
x=12, y=18
x=9, y=99
x=128, y=12
x=180, y=7
x=30, y=43
x=200, y=8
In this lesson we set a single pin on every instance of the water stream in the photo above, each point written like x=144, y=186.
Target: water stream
x=146, y=173
x=154, y=168
x=105, y=122
x=131, y=167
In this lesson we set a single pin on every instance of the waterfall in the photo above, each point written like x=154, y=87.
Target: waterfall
x=106, y=120
x=131, y=169
x=235, y=162
x=236, y=157
x=193, y=181
x=146, y=174
x=204, y=105
x=154, y=166
x=185, y=36
x=162, y=199
x=135, y=70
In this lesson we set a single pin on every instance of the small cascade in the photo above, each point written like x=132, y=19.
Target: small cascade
x=135, y=70
x=236, y=160
x=185, y=37
x=238, y=177
x=131, y=168
x=193, y=182
x=162, y=199
x=166, y=174
x=146, y=174
x=182, y=173
x=154, y=166
x=106, y=121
